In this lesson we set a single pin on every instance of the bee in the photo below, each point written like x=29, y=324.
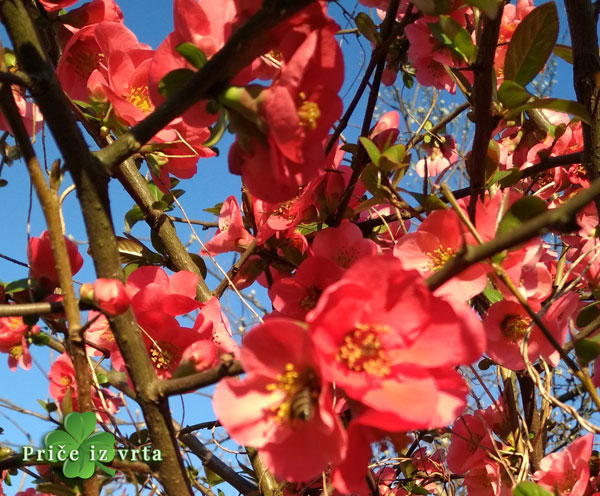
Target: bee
x=302, y=406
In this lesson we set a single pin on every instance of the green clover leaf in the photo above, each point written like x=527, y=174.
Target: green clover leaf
x=79, y=449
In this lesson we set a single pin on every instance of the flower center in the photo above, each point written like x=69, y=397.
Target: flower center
x=345, y=256
x=139, y=98
x=513, y=327
x=361, y=350
x=163, y=354
x=301, y=394
x=83, y=61
x=15, y=351
x=309, y=301
x=66, y=381
x=308, y=113
x=438, y=258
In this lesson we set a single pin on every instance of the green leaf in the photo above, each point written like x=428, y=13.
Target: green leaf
x=211, y=477
x=371, y=149
x=531, y=44
x=192, y=54
x=392, y=158
x=132, y=217
x=493, y=295
x=454, y=36
x=432, y=7
x=3, y=183
x=512, y=95
x=505, y=178
x=587, y=315
x=528, y=488
x=521, y=211
x=198, y=260
x=173, y=81
x=586, y=350
x=568, y=106
x=489, y=7
x=40, y=339
x=367, y=27
x=217, y=130
x=16, y=286
x=371, y=178
x=56, y=489
x=216, y=210
x=564, y=52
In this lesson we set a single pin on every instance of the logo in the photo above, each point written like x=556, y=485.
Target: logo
x=81, y=450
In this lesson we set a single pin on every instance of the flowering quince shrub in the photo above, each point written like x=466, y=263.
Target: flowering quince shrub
x=398, y=334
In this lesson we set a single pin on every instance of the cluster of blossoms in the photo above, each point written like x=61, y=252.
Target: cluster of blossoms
x=360, y=346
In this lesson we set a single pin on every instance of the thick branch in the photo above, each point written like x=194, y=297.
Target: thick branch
x=586, y=66
x=482, y=100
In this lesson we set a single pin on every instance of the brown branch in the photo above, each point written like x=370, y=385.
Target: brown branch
x=586, y=66
x=247, y=43
x=210, y=461
x=483, y=85
x=235, y=268
x=181, y=385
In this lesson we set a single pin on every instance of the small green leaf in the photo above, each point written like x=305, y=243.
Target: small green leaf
x=493, y=295
x=521, y=211
x=564, y=52
x=132, y=217
x=587, y=315
x=568, y=106
x=528, y=488
x=3, y=182
x=392, y=158
x=217, y=130
x=192, y=54
x=16, y=286
x=173, y=81
x=489, y=7
x=531, y=44
x=211, y=477
x=216, y=210
x=512, y=95
x=200, y=263
x=505, y=178
x=367, y=27
x=371, y=149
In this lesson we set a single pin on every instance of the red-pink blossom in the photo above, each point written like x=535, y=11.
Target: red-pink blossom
x=231, y=234
x=567, y=473
x=295, y=296
x=385, y=340
x=110, y=296
x=211, y=324
x=343, y=245
x=261, y=410
x=99, y=334
x=12, y=341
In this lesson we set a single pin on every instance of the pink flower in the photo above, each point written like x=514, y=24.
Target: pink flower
x=507, y=321
x=280, y=406
x=294, y=296
x=470, y=442
x=100, y=334
x=231, y=234
x=41, y=260
x=52, y=5
x=384, y=339
x=488, y=479
x=63, y=390
x=567, y=472
x=212, y=325
x=152, y=291
x=436, y=240
x=440, y=156
x=12, y=341
x=343, y=245
x=200, y=355
x=30, y=492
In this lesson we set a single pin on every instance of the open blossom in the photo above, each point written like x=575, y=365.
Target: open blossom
x=231, y=234
x=507, y=322
x=440, y=156
x=385, y=340
x=343, y=245
x=63, y=390
x=12, y=341
x=295, y=296
x=567, y=472
x=99, y=334
x=280, y=406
